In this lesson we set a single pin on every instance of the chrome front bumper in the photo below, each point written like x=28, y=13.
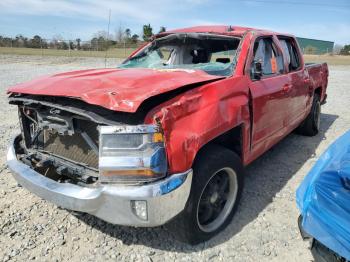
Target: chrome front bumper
x=165, y=198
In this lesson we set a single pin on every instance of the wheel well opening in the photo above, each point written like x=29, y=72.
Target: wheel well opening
x=232, y=139
x=318, y=91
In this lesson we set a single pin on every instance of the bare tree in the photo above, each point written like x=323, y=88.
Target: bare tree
x=103, y=34
x=119, y=34
x=20, y=41
x=345, y=50
x=337, y=48
x=57, y=42
x=101, y=41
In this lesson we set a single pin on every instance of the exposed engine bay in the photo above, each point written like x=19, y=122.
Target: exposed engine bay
x=59, y=138
x=59, y=144
x=64, y=142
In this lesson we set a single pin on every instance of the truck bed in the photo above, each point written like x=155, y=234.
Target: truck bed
x=318, y=74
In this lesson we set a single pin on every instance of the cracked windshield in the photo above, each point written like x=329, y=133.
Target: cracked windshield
x=213, y=54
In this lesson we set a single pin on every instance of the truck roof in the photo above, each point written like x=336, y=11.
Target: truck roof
x=219, y=29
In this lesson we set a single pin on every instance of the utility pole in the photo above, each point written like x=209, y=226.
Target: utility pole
x=41, y=46
x=107, y=46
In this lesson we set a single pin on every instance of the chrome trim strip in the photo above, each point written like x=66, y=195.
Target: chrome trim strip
x=128, y=129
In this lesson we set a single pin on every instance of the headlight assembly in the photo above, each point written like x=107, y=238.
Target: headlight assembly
x=131, y=154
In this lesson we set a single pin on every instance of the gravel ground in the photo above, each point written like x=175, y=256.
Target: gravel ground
x=264, y=229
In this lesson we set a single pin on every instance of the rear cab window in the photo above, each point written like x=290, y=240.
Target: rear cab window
x=223, y=56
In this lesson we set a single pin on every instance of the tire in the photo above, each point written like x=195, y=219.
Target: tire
x=215, y=193
x=323, y=254
x=311, y=125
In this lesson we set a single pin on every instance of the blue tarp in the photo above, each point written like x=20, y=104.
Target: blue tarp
x=324, y=198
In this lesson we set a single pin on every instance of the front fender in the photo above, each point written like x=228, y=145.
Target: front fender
x=194, y=118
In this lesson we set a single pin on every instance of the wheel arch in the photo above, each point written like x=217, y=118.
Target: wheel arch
x=231, y=139
x=318, y=90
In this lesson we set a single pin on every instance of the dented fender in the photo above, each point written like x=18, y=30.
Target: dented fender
x=194, y=118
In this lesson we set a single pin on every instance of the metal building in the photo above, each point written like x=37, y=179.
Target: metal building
x=314, y=46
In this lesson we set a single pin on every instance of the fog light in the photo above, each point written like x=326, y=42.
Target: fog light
x=139, y=207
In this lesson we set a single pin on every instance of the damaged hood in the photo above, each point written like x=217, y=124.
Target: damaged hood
x=115, y=89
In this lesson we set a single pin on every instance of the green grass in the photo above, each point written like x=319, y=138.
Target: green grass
x=122, y=53
x=111, y=53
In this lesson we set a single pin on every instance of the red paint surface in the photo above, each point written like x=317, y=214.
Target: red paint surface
x=266, y=110
x=115, y=89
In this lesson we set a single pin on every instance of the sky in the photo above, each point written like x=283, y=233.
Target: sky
x=318, y=19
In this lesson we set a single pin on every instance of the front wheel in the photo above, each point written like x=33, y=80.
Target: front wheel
x=216, y=189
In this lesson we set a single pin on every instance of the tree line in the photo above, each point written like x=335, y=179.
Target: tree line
x=100, y=41
x=345, y=50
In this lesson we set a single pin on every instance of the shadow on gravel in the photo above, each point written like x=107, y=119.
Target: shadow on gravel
x=265, y=178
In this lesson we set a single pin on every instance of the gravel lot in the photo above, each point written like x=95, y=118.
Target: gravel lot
x=264, y=229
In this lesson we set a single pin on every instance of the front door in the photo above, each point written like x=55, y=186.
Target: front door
x=270, y=100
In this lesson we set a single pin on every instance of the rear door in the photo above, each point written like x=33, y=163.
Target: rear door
x=270, y=104
x=299, y=85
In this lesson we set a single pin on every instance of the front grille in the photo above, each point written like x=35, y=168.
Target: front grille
x=73, y=147
x=60, y=135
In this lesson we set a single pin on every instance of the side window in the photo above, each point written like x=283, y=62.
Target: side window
x=267, y=54
x=291, y=53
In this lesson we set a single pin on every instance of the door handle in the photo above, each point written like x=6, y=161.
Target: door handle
x=308, y=85
x=306, y=81
x=286, y=88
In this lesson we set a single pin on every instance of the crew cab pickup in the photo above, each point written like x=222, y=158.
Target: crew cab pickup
x=163, y=138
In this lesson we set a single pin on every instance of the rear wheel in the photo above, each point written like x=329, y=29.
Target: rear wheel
x=311, y=125
x=216, y=189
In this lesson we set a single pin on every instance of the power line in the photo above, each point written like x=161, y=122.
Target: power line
x=294, y=3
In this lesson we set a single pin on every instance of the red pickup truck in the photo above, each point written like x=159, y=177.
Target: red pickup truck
x=163, y=138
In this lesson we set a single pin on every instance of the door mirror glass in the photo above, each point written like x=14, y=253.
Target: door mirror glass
x=257, y=70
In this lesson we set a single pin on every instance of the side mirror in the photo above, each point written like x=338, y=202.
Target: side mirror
x=257, y=71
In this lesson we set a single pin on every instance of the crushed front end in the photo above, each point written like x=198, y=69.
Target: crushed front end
x=89, y=159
